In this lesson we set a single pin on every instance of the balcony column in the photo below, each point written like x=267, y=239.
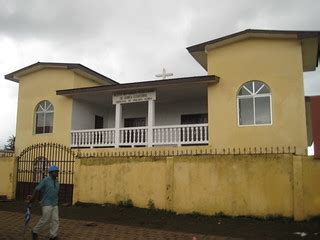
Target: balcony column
x=151, y=121
x=118, y=117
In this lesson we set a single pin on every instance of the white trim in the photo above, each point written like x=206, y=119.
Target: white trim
x=133, y=97
x=254, y=109
x=271, y=118
x=93, y=130
x=247, y=91
x=151, y=121
x=260, y=88
x=118, y=118
x=183, y=125
x=257, y=95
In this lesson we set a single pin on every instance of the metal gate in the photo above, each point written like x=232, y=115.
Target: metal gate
x=33, y=164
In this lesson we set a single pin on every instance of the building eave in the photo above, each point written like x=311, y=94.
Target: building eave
x=138, y=86
x=76, y=67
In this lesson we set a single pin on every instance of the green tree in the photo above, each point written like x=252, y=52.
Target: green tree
x=11, y=143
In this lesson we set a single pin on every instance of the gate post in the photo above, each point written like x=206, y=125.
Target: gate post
x=14, y=177
x=169, y=183
x=76, y=176
x=298, y=204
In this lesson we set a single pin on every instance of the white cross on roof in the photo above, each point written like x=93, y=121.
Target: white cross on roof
x=164, y=74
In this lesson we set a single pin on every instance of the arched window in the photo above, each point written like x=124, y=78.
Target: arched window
x=254, y=104
x=44, y=117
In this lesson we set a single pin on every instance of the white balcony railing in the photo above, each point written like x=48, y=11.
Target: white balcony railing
x=133, y=136
x=93, y=138
x=180, y=134
x=138, y=136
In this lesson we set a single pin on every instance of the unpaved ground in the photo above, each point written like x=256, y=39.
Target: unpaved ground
x=248, y=228
x=83, y=230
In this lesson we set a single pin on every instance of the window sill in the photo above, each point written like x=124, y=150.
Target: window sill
x=255, y=125
x=42, y=134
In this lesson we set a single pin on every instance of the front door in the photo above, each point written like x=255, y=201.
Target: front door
x=135, y=122
x=190, y=133
x=98, y=122
x=194, y=118
x=135, y=135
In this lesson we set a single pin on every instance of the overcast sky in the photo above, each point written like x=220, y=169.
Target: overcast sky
x=131, y=40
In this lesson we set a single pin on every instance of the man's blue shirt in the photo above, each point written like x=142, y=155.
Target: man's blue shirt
x=50, y=191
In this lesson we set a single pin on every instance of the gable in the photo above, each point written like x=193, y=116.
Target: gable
x=309, y=41
x=256, y=57
x=79, y=69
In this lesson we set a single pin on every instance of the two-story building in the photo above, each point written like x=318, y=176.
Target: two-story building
x=252, y=97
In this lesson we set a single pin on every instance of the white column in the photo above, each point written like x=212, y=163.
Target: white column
x=118, y=117
x=151, y=121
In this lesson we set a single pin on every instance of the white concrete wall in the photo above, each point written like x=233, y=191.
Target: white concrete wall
x=170, y=114
x=83, y=115
x=166, y=113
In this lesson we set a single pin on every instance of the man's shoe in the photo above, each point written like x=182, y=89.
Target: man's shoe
x=53, y=238
x=34, y=235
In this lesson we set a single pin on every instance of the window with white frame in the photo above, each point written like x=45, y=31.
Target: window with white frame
x=254, y=104
x=44, y=117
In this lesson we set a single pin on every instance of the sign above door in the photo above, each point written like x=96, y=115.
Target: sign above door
x=133, y=97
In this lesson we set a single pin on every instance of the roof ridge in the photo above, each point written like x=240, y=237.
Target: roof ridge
x=11, y=76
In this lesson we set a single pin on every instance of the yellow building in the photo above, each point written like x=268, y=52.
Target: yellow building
x=130, y=141
x=37, y=87
x=251, y=99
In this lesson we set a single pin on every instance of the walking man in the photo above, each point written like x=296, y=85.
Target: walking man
x=49, y=188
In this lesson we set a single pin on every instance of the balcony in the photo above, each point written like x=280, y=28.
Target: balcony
x=170, y=135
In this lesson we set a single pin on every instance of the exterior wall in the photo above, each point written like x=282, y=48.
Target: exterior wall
x=166, y=113
x=133, y=110
x=278, y=63
x=252, y=185
x=311, y=190
x=38, y=86
x=83, y=115
x=42, y=85
x=80, y=81
x=114, y=181
x=234, y=185
x=7, y=176
x=170, y=114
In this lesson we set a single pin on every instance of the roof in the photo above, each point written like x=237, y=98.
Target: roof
x=140, y=85
x=76, y=67
x=308, y=39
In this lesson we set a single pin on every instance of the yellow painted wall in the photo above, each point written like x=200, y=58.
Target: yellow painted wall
x=113, y=180
x=278, y=63
x=234, y=185
x=42, y=85
x=38, y=86
x=80, y=81
x=7, y=176
x=254, y=185
x=311, y=189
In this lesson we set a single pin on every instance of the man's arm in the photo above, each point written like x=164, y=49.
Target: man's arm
x=32, y=197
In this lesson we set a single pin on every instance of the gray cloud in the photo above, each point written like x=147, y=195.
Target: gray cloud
x=131, y=40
